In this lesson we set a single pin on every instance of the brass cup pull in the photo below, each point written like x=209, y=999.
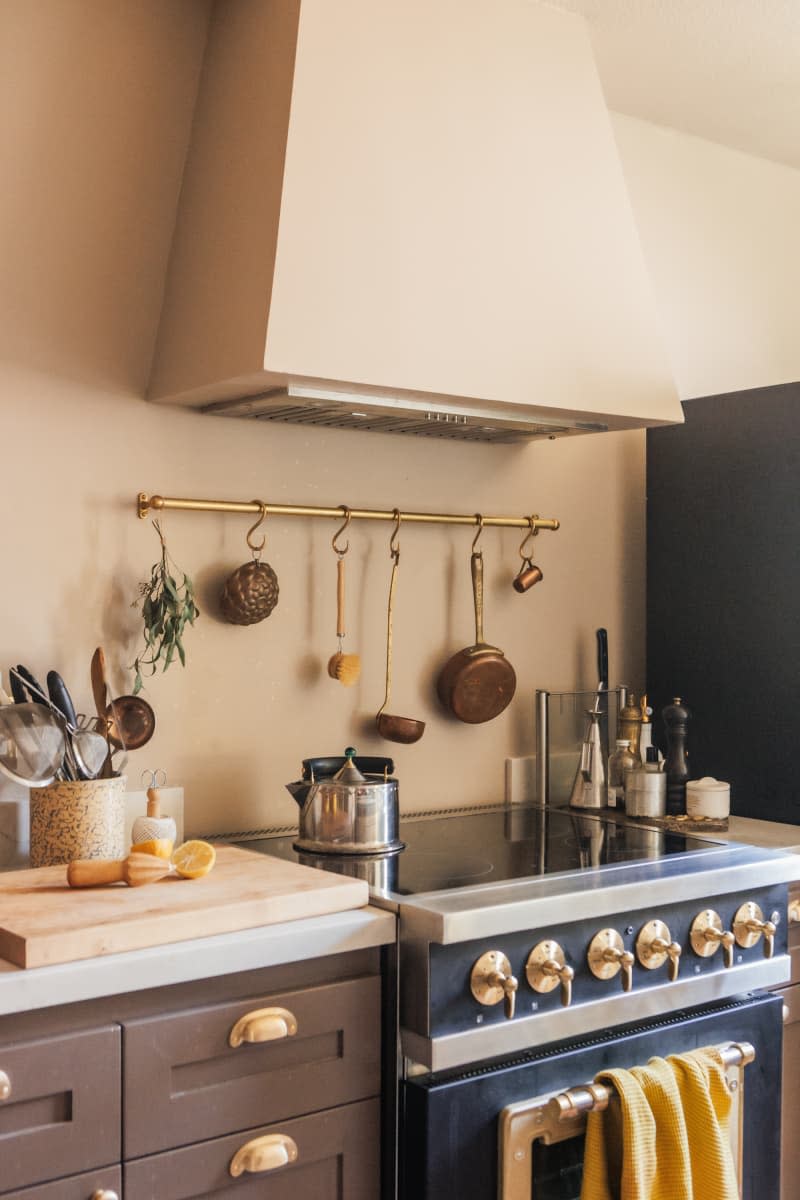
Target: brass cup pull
x=104, y=1194
x=5, y=1086
x=266, y=1153
x=749, y=925
x=547, y=968
x=263, y=1025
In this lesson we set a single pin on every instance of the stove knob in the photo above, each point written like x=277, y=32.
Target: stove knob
x=748, y=926
x=546, y=968
x=607, y=956
x=491, y=981
x=794, y=912
x=707, y=934
x=654, y=946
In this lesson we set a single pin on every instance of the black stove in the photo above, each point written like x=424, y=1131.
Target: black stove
x=453, y=850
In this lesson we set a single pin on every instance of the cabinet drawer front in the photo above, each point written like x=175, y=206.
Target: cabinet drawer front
x=185, y=1083
x=338, y=1158
x=77, y=1187
x=62, y=1115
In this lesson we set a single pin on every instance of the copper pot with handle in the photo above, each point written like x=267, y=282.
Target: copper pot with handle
x=478, y=682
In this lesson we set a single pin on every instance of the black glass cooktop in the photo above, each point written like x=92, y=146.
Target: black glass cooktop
x=487, y=846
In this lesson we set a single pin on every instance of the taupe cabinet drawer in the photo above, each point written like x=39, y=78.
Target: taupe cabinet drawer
x=185, y=1083
x=62, y=1114
x=337, y=1158
x=78, y=1187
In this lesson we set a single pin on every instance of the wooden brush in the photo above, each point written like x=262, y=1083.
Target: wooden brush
x=346, y=668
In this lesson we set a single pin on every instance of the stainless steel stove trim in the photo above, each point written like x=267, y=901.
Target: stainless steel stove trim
x=526, y=1033
x=513, y=905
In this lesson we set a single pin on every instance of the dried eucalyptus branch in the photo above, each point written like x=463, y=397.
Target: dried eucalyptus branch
x=167, y=608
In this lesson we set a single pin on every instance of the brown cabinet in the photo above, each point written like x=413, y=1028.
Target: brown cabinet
x=201, y=1090
x=790, y=1098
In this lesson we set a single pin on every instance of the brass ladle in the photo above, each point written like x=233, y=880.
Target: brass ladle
x=395, y=729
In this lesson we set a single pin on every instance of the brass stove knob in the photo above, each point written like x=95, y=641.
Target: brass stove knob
x=654, y=946
x=607, y=956
x=749, y=925
x=491, y=981
x=546, y=968
x=794, y=912
x=707, y=934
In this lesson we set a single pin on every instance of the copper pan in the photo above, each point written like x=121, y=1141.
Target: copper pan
x=477, y=683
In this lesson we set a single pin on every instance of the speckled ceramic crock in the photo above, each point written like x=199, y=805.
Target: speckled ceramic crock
x=83, y=819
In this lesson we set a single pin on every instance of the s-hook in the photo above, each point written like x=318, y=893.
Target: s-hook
x=348, y=515
x=257, y=547
x=479, y=519
x=529, y=573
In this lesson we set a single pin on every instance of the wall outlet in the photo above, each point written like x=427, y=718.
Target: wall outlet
x=521, y=780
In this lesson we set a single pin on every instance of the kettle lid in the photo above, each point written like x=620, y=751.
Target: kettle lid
x=349, y=772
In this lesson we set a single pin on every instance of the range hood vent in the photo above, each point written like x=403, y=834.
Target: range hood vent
x=388, y=414
x=418, y=203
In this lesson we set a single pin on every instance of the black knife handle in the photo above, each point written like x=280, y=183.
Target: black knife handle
x=602, y=657
x=57, y=690
x=18, y=693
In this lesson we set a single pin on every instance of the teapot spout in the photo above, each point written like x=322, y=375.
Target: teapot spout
x=299, y=790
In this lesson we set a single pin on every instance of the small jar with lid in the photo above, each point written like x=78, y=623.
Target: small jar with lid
x=708, y=798
x=619, y=762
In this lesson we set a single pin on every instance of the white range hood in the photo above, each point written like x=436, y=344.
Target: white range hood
x=408, y=215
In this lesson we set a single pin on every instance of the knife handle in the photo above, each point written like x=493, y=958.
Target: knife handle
x=602, y=657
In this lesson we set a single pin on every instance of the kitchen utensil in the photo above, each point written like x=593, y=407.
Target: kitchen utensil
x=129, y=720
x=589, y=789
x=83, y=818
x=529, y=573
x=646, y=789
x=477, y=683
x=134, y=870
x=154, y=825
x=395, y=729
x=601, y=700
x=31, y=744
x=34, y=689
x=344, y=667
x=675, y=717
x=18, y=692
x=348, y=812
x=84, y=750
x=251, y=591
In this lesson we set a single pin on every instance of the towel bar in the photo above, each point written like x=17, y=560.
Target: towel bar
x=561, y=1115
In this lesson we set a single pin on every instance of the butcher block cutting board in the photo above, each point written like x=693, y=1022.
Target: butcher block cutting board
x=42, y=921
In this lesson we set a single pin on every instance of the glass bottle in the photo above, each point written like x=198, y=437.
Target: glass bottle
x=620, y=761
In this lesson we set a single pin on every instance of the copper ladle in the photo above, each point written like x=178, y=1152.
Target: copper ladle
x=391, y=727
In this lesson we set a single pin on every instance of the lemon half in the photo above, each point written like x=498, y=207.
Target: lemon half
x=194, y=859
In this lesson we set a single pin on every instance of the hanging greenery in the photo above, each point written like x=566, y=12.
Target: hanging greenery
x=167, y=608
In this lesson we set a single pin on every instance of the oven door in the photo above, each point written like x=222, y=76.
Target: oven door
x=471, y=1133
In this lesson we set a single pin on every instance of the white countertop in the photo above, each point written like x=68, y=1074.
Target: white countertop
x=769, y=834
x=24, y=989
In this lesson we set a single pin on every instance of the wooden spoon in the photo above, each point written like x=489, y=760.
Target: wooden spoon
x=134, y=870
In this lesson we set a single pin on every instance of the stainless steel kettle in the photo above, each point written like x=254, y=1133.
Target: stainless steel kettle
x=344, y=810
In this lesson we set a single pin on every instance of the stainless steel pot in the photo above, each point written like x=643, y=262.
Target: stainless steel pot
x=347, y=811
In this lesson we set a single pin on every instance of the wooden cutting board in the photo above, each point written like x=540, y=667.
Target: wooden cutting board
x=42, y=921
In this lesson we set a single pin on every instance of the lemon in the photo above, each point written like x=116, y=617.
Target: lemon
x=194, y=859
x=162, y=847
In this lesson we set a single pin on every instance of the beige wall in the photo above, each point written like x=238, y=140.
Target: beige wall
x=92, y=139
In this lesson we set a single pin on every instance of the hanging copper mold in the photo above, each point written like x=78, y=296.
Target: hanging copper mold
x=529, y=573
x=251, y=591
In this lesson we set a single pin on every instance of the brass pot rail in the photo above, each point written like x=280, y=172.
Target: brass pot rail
x=145, y=503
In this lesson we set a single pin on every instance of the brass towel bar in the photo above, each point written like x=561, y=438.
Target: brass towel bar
x=145, y=503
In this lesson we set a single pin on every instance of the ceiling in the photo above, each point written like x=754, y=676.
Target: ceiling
x=725, y=70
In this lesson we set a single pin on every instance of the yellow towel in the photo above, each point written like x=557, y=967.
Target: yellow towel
x=667, y=1136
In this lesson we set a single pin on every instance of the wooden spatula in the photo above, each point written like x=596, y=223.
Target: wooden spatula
x=134, y=870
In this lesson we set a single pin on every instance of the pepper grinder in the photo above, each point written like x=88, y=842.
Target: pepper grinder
x=676, y=768
x=629, y=724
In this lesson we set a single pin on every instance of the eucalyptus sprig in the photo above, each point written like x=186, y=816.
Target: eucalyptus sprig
x=167, y=608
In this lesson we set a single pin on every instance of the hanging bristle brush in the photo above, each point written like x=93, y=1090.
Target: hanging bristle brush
x=346, y=668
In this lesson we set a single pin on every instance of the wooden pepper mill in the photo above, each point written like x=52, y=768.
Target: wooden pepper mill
x=676, y=767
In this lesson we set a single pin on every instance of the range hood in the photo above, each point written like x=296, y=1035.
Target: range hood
x=408, y=216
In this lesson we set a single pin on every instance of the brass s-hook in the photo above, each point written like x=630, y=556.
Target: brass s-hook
x=257, y=547
x=394, y=542
x=524, y=554
x=479, y=519
x=342, y=550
